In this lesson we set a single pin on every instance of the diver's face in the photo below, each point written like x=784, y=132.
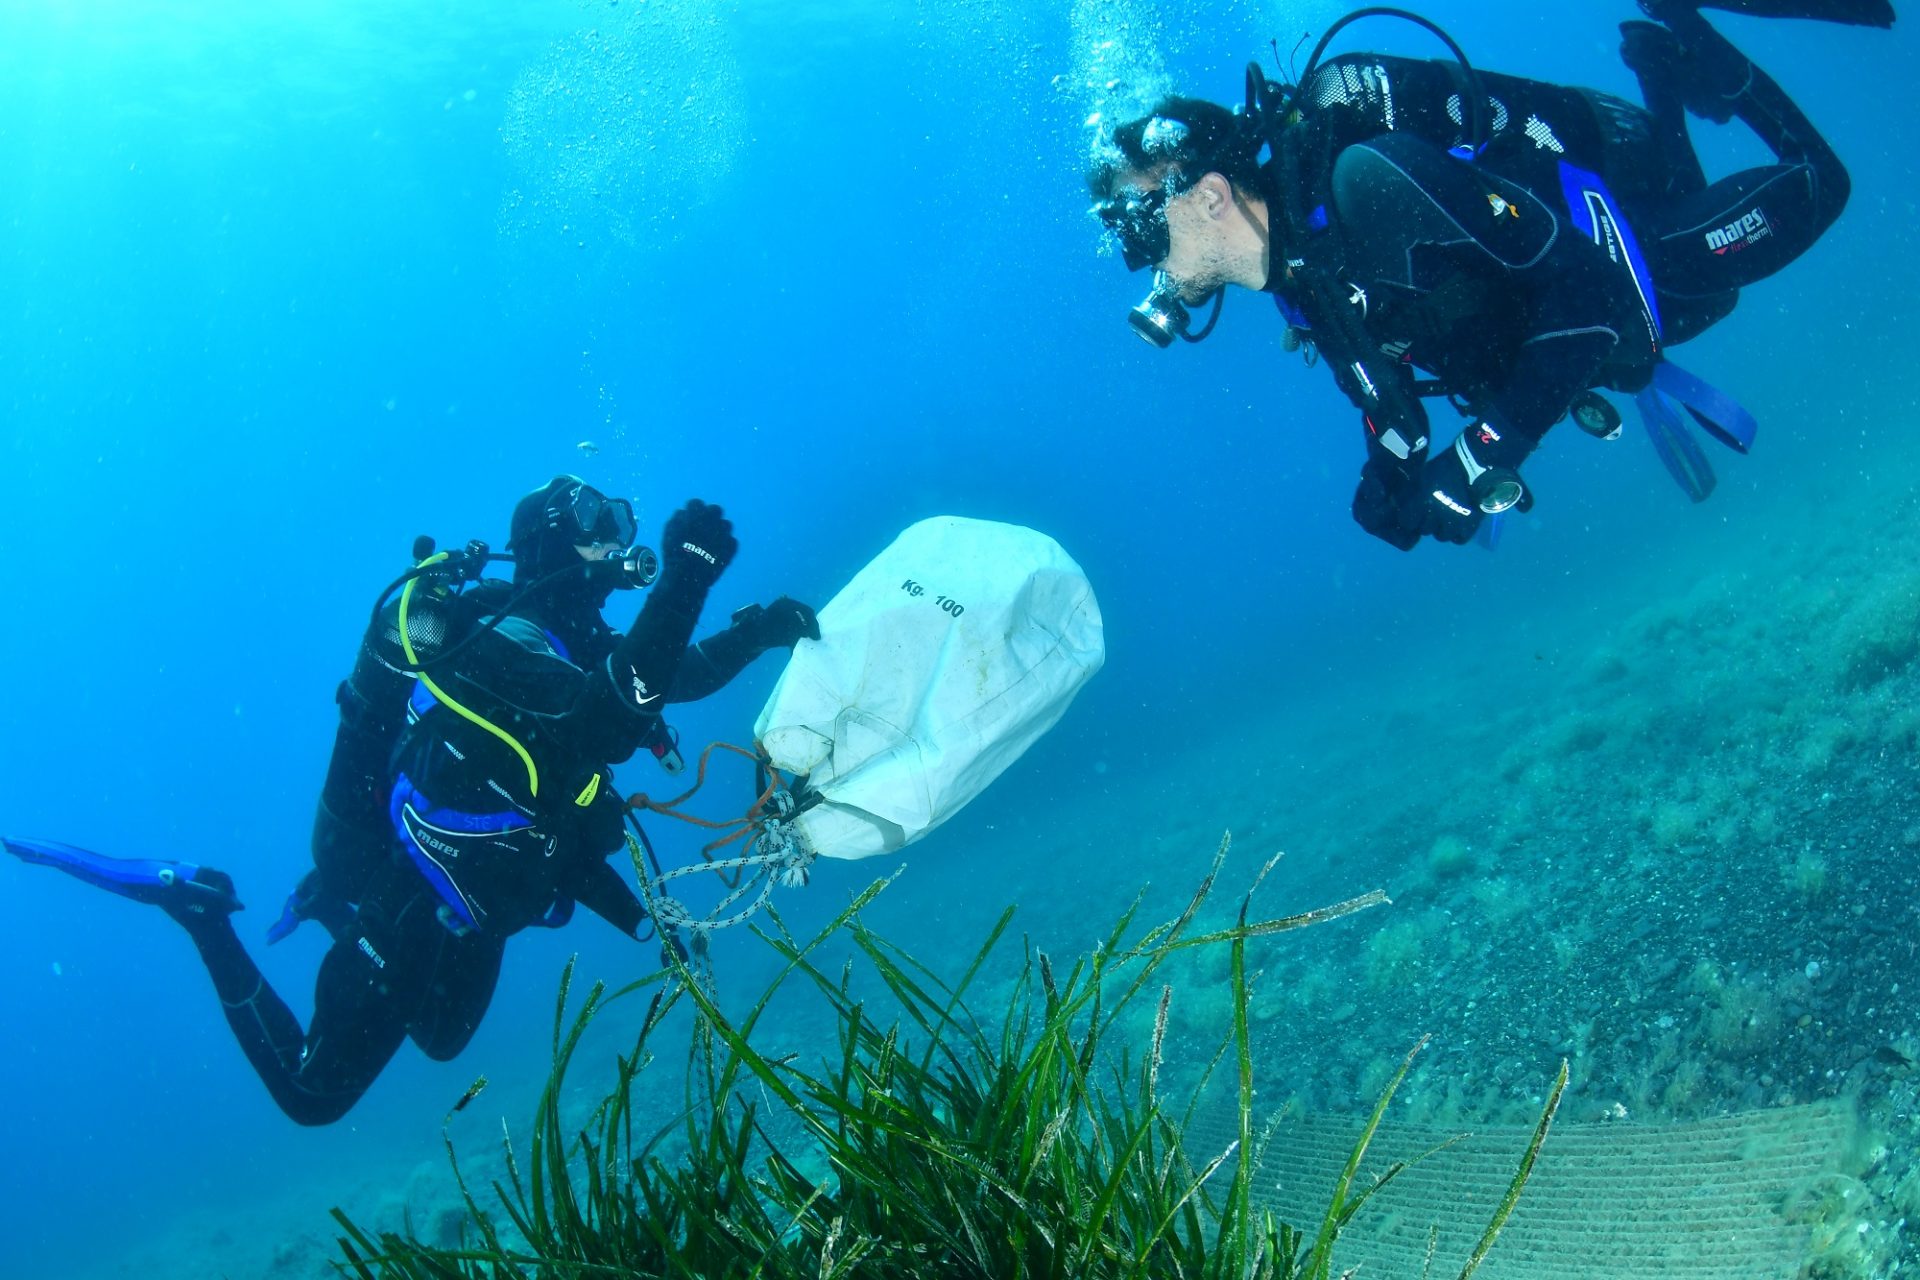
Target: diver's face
x=1197, y=258
x=599, y=551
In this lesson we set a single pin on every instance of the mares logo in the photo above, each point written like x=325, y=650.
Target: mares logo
x=1737, y=235
x=427, y=842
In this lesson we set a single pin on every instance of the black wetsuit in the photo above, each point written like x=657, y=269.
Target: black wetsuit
x=1475, y=272
x=410, y=958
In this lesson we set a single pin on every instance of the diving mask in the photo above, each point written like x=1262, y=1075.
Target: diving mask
x=591, y=518
x=1138, y=221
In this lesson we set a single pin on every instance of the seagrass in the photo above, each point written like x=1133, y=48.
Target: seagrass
x=1034, y=1145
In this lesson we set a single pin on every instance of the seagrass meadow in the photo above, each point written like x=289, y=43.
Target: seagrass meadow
x=933, y=1144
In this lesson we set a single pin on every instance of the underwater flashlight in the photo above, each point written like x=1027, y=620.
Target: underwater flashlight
x=1498, y=489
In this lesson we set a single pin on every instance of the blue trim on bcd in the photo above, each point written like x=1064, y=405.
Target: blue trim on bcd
x=410, y=811
x=1584, y=190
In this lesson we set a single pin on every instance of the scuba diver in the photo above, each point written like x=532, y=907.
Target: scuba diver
x=1511, y=245
x=470, y=794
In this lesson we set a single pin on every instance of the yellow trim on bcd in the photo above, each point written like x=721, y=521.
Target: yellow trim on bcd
x=446, y=700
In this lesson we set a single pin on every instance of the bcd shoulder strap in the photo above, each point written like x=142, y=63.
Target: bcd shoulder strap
x=1314, y=260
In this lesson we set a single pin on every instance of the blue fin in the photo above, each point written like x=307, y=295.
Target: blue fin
x=175, y=885
x=289, y=920
x=1718, y=413
x=1678, y=450
x=310, y=900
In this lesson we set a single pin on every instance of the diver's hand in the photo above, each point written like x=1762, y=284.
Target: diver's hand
x=1449, y=513
x=1461, y=488
x=696, y=547
x=1387, y=503
x=781, y=625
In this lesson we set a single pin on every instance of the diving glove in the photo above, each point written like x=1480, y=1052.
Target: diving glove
x=779, y=625
x=1461, y=488
x=696, y=547
x=1388, y=502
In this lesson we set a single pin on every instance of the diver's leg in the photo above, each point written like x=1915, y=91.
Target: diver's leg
x=270, y=1036
x=1859, y=13
x=1658, y=62
x=372, y=984
x=1720, y=71
x=1683, y=318
x=1749, y=225
x=464, y=978
x=367, y=993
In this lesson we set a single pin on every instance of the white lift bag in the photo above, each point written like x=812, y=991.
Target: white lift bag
x=937, y=666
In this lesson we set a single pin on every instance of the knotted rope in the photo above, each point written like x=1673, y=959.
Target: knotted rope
x=774, y=853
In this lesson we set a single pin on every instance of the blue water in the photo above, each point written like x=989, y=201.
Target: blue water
x=283, y=286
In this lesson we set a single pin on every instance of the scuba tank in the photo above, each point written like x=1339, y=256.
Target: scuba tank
x=443, y=598
x=425, y=616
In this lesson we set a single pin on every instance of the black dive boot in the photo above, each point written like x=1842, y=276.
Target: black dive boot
x=204, y=895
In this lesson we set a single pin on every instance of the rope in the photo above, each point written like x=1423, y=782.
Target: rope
x=740, y=828
x=774, y=853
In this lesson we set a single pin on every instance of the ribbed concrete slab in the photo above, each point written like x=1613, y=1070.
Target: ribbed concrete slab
x=1698, y=1201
